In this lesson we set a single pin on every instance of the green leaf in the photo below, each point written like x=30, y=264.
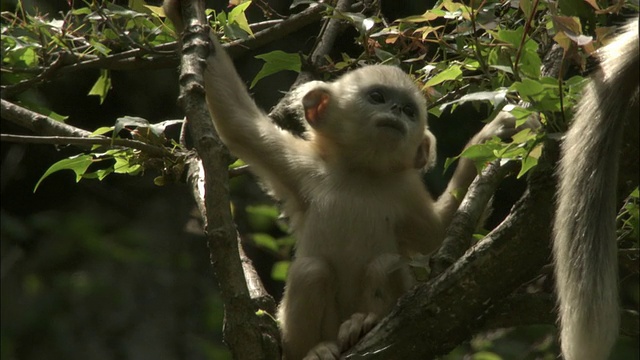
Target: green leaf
x=102, y=85
x=100, y=47
x=528, y=87
x=124, y=165
x=262, y=218
x=276, y=61
x=486, y=355
x=156, y=10
x=237, y=16
x=78, y=164
x=530, y=160
x=428, y=16
x=98, y=174
x=527, y=7
x=279, y=270
x=102, y=130
x=452, y=73
x=496, y=98
x=386, y=57
x=28, y=56
x=481, y=154
x=237, y=164
x=265, y=241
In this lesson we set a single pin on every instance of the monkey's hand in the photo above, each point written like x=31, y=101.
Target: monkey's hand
x=324, y=351
x=504, y=127
x=355, y=328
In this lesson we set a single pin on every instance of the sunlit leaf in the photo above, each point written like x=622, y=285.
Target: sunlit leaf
x=279, y=270
x=277, y=61
x=102, y=85
x=265, y=241
x=78, y=164
x=237, y=16
x=452, y=73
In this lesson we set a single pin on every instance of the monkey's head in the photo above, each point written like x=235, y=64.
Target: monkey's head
x=374, y=117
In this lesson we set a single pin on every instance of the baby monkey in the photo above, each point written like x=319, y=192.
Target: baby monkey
x=352, y=190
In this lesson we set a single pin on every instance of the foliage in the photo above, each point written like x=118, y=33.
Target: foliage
x=480, y=53
x=629, y=218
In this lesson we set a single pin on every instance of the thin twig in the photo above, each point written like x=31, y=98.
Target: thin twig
x=86, y=142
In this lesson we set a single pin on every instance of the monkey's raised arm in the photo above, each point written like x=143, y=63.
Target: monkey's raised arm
x=503, y=126
x=280, y=159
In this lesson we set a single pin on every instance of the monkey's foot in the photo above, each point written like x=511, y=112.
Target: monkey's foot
x=355, y=328
x=324, y=351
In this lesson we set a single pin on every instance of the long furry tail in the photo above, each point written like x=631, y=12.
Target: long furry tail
x=585, y=248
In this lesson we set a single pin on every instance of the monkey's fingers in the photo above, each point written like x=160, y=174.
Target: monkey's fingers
x=504, y=126
x=355, y=328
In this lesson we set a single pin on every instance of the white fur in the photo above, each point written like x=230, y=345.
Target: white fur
x=585, y=233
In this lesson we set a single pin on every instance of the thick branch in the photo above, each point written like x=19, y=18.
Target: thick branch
x=468, y=215
x=436, y=316
x=247, y=335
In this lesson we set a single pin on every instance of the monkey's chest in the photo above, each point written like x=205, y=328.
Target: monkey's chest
x=356, y=224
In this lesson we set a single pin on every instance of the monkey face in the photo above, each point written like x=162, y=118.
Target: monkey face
x=373, y=115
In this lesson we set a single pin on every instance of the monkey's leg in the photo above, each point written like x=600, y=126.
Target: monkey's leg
x=386, y=278
x=308, y=313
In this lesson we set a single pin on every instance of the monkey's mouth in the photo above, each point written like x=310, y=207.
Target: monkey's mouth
x=393, y=124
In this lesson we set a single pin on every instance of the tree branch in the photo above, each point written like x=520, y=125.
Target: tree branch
x=38, y=123
x=63, y=134
x=468, y=215
x=248, y=335
x=87, y=142
x=162, y=56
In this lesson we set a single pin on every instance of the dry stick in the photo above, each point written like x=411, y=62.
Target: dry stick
x=248, y=335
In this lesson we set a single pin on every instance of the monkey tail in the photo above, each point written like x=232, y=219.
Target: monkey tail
x=585, y=249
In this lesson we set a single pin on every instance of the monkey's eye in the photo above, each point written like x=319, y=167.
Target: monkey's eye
x=376, y=97
x=409, y=111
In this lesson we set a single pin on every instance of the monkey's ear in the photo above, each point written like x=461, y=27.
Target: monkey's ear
x=315, y=104
x=426, y=154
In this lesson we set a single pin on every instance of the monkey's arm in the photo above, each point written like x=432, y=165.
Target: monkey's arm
x=277, y=156
x=502, y=126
